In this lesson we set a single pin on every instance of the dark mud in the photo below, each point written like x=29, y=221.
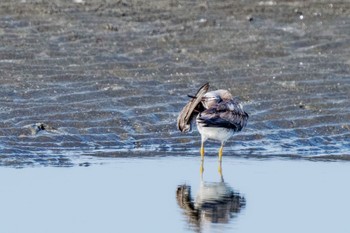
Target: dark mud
x=108, y=78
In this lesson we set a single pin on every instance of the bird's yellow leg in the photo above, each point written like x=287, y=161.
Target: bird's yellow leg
x=220, y=152
x=201, y=169
x=220, y=170
x=202, y=151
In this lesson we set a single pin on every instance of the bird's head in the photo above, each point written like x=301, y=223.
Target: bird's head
x=213, y=97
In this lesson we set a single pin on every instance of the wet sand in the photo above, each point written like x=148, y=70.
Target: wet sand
x=105, y=78
x=141, y=195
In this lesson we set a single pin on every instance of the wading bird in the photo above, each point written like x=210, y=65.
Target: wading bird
x=219, y=116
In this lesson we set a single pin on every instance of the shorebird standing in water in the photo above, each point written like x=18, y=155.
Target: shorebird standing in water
x=219, y=116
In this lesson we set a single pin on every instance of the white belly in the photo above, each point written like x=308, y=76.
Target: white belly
x=215, y=133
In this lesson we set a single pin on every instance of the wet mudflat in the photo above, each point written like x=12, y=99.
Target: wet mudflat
x=104, y=78
x=142, y=195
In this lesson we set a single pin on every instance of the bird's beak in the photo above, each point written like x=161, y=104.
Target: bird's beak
x=191, y=96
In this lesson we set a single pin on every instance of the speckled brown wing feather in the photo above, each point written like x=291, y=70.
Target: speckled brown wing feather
x=191, y=110
x=226, y=114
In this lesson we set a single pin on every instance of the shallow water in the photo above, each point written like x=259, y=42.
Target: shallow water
x=106, y=79
x=141, y=195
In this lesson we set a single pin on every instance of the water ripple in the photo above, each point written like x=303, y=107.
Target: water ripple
x=106, y=79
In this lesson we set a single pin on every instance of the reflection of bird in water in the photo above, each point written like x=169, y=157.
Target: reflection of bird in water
x=219, y=116
x=216, y=202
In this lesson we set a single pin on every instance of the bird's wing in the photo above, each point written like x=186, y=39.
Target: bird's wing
x=191, y=109
x=226, y=114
